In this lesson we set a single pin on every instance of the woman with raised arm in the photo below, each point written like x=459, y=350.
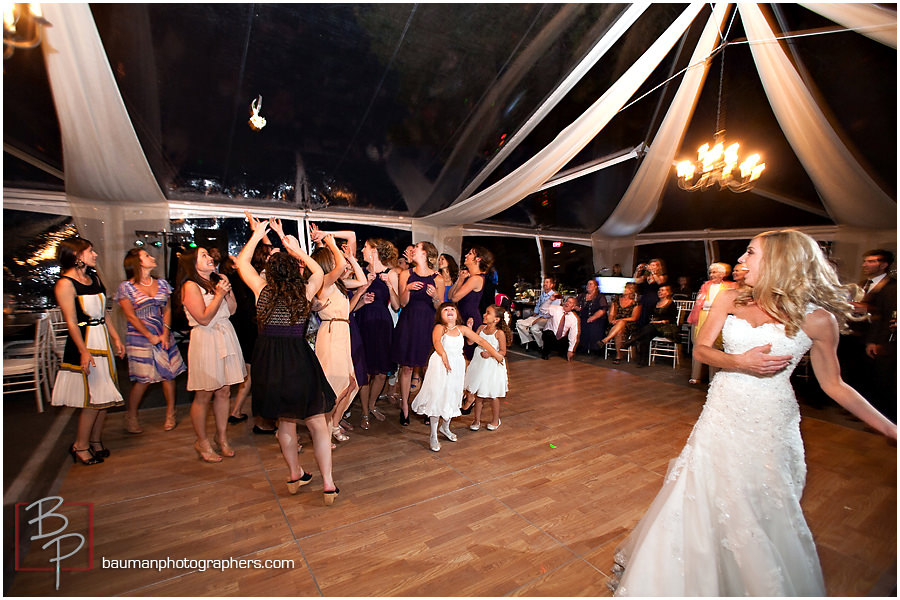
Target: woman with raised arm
x=152, y=354
x=376, y=325
x=215, y=360
x=87, y=376
x=467, y=289
x=288, y=381
x=333, y=337
x=728, y=520
x=419, y=297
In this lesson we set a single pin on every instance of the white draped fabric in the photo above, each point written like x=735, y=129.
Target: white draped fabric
x=109, y=184
x=533, y=173
x=640, y=202
x=850, y=195
x=603, y=45
x=872, y=21
x=445, y=239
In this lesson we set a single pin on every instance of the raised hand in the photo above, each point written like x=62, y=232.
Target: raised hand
x=314, y=234
x=254, y=222
x=276, y=226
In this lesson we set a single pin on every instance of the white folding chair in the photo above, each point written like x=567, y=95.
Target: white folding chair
x=58, y=333
x=611, y=345
x=24, y=373
x=663, y=347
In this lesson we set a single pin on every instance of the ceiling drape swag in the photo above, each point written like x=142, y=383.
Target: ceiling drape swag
x=603, y=45
x=532, y=174
x=640, y=202
x=850, y=195
x=109, y=185
x=874, y=22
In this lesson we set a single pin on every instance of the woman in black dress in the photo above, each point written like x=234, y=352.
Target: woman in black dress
x=288, y=381
x=592, y=314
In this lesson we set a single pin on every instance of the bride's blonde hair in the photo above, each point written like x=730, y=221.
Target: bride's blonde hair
x=794, y=274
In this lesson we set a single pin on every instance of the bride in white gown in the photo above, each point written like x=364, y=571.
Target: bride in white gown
x=728, y=521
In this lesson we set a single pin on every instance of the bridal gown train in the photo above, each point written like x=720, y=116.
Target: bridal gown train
x=727, y=521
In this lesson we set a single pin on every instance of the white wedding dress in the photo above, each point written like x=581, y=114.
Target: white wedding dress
x=727, y=521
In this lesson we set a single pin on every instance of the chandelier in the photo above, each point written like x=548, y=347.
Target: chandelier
x=719, y=164
x=22, y=26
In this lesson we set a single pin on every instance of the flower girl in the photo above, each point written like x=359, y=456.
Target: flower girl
x=445, y=374
x=486, y=379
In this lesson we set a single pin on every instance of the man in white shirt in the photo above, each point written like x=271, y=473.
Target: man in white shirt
x=561, y=331
x=530, y=329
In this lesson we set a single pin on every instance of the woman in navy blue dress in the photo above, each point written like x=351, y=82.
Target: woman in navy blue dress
x=376, y=326
x=420, y=293
x=467, y=290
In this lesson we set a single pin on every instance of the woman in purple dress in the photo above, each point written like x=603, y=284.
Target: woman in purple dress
x=376, y=326
x=419, y=296
x=467, y=290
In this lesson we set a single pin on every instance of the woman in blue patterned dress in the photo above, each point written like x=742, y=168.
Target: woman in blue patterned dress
x=152, y=354
x=420, y=289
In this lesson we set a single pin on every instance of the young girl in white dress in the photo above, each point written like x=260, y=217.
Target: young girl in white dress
x=445, y=374
x=485, y=378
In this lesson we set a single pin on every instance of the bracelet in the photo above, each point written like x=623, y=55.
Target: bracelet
x=166, y=325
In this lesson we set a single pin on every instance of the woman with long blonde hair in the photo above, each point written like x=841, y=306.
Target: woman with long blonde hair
x=729, y=511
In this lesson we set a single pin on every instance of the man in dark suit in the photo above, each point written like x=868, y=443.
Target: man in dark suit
x=877, y=334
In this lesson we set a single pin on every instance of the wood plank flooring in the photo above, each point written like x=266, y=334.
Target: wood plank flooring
x=535, y=508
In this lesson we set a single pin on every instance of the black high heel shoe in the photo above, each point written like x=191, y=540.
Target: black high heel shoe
x=103, y=452
x=93, y=460
x=404, y=420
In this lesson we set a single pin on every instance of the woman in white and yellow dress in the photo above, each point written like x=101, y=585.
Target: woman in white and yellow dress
x=87, y=376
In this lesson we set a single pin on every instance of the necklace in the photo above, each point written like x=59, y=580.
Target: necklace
x=449, y=329
x=146, y=284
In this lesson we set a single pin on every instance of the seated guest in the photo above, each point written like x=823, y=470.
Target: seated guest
x=623, y=316
x=561, y=331
x=530, y=329
x=592, y=307
x=663, y=322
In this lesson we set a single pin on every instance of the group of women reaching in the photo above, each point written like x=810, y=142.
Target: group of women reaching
x=728, y=514
x=357, y=344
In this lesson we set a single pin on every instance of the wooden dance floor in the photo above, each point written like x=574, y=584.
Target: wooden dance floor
x=535, y=508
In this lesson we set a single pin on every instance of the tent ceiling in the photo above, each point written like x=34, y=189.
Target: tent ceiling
x=397, y=107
